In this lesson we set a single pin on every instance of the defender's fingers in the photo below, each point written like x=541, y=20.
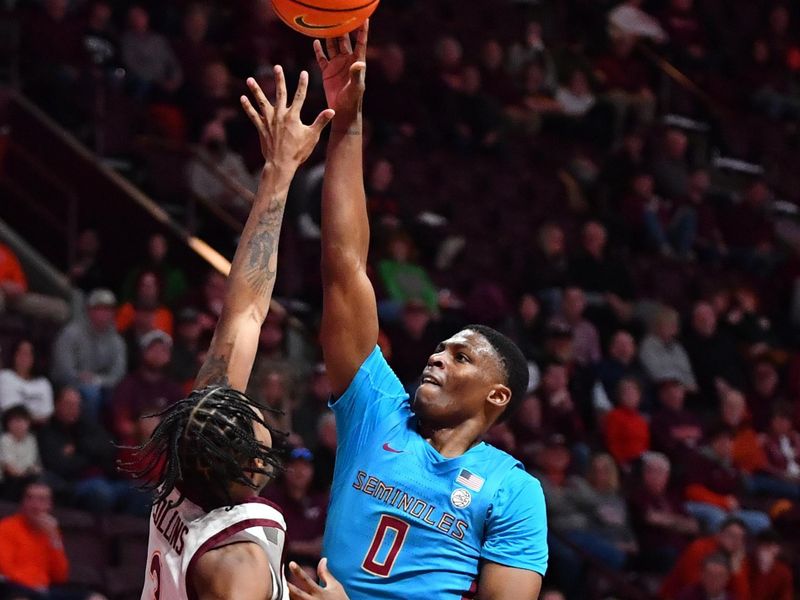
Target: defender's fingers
x=344, y=45
x=280, y=87
x=295, y=593
x=332, y=47
x=308, y=583
x=358, y=72
x=362, y=35
x=252, y=113
x=323, y=572
x=322, y=60
x=261, y=99
x=300, y=94
x=322, y=120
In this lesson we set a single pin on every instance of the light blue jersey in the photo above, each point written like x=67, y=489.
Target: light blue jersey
x=405, y=522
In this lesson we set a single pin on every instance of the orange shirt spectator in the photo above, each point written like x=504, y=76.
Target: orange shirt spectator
x=11, y=270
x=162, y=318
x=31, y=552
x=627, y=432
x=748, y=454
x=687, y=571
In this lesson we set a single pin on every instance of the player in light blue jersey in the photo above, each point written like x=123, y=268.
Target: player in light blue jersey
x=420, y=508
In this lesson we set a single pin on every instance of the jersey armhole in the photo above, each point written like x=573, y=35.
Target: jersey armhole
x=216, y=541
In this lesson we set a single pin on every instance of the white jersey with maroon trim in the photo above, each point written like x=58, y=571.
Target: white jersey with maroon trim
x=180, y=536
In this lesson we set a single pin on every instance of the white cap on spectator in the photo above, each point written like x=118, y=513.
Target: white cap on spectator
x=154, y=336
x=101, y=297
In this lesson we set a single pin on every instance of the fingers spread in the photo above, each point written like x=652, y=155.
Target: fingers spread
x=332, y=47
x=322, y=120
x=343, y=43
x=261, y=99
x=300, y=94
x=252, y=114
x=280, y=87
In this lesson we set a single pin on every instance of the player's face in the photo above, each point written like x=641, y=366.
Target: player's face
x=461, y=376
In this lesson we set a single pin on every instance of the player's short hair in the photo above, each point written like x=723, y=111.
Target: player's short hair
x=513, y=363
x=202, y=445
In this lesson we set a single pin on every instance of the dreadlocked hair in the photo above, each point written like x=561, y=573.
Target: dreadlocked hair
x=202, y=445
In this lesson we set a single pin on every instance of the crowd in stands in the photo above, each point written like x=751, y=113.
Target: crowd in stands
x=528, y=167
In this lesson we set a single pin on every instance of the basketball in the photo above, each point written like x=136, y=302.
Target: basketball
x=324, y=18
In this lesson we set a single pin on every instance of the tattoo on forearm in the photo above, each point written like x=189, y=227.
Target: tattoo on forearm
x=214, y=371
x=261, y=247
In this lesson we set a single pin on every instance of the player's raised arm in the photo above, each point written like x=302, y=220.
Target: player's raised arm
x=285, y=144
x=349, y=313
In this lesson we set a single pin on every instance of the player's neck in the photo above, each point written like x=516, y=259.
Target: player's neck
x=451, y=442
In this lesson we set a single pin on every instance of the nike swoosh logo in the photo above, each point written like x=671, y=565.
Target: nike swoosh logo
x=388, y=448
x=301, y=20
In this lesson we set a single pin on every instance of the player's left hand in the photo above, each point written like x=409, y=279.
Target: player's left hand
x=310, y=589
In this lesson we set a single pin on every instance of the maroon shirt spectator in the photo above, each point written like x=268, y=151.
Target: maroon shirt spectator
x=528, y=430
x=782, y=446
x=662, y=524
x=51, y=39
x=675, y=430
x=559, y=411
x=303, y=510
x=765, y=393
x=192, y=49
x=685, y=29
x=622, y=70
x=148, y=389
x=595, y=270
x=714, y=581
x=496, y=80
x=747, y=225
x=585, y=339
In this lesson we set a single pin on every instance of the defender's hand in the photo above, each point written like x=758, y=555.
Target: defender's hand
x=344, y=71
x=310, y=589
x=285, y=140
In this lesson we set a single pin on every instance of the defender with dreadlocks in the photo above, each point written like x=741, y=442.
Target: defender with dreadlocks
x=210, y=537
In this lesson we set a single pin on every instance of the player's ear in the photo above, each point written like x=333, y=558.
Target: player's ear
x=499, y=396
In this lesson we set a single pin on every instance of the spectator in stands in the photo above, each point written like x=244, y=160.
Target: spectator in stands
x=573, y=509
x=782, y=448
x=771, y=577
x=614, y=180
x=748, y=230
x=662, y=525
x=575, y=97
x=404, y=279
x=676, y=431
x=218, y=174
x=412, y=340
x=671, y=169
x=714, y=581
x=628, y=19
x=596, y=271
x=23, y=385
x=585, y=340
x=100, y=40
x=215, y=99
x=751, y=328
x=620, y=362
x=765, y=392
x=610, y=517
x=627, y=433
x=713, y=356
x=747, y=454
x=17, y=298
x=19, y=453
x=78, y=458
x=627, y=84
x=193, y=49
x=393, y=115
x=532, y=49
x=314, y=404
x=89, y=354
x=147, y=390
x=325, y=452
x=559, y=410
x=528, y=431
x=494, y=74
x=687, y=35
x=304, y=510
x=32, y=557
x=86, y=271
x=172, y=278
x=714, y=486
x=186, y=347
x=154, y=71
x=274, y=389
x=709, y=242
x=534, y=100
x=526, y=326
x=731, y=542
x=147, y=296
x=547, y=273
x=477, y=119
x=662, y=355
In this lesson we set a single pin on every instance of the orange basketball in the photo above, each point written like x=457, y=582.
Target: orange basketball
x=324, y=18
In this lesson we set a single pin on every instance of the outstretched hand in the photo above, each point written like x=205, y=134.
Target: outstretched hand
x=344, y=71
x=285, y=140
x=310, y=589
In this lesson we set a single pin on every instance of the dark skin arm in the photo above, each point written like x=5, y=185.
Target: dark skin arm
x=498, y=582
x=349, y=328
x=285, y=144
x=233, y=572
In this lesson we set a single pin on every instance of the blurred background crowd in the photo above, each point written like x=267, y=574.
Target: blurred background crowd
x=612, y=184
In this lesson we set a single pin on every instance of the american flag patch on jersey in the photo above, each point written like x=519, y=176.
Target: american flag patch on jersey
x=470, y=480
